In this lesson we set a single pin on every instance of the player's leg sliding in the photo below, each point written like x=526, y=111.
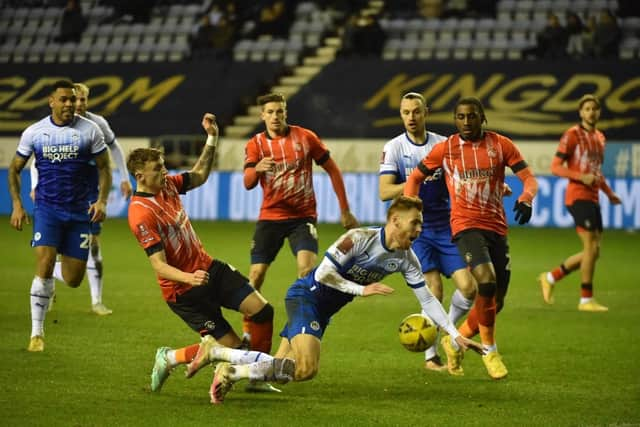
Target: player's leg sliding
x=166, y=359
x=41, y=294
x=226, y=374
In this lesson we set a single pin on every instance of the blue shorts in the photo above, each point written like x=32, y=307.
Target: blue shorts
x=310, y=306
x=68, y=232
x=436, y=251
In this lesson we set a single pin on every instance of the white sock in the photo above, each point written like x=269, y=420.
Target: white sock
x=257, y=371
x=171, y=357
x=490, y=348
x=41, y=293
x=550, y=278
x=584, y=300
x=57, y=271
x=94, y=278
x=431, y=352
x=459, y=307
x=238, y=357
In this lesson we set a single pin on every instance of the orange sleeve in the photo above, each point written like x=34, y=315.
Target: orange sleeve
x=565, y=149
x=412, y=185
x=251, y=158
x=530, y=185
x=338, y=184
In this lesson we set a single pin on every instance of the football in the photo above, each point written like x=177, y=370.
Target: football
x=417, y=332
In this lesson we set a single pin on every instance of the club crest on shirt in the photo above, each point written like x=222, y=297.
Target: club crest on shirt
x=314, y=325
x=391, y=265
x=491, y=152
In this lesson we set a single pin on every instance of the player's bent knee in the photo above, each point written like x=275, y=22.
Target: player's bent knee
x=265, y=315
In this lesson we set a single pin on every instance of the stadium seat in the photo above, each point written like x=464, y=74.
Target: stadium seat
x=391, y=49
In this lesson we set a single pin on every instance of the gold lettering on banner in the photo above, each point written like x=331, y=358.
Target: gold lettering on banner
x=18, y=95
x=533, y=104
x=27, y=102
x=592, y=83
x=615, y=101
x=140, y=90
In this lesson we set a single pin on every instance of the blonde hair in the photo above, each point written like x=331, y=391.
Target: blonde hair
x=82, y=88
x=403, y=204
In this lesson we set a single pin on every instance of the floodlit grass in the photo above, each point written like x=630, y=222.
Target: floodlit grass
x=565, y=367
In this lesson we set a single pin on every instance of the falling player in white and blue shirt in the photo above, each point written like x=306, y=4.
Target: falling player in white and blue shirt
x=63, y=145
x=434, y=248
x=354, y=266
x=94, y=261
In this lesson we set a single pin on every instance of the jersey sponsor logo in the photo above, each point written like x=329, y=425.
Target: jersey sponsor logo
x=58, y=153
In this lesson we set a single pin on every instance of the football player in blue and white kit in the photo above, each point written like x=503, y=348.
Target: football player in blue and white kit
x=94, y=262
x=434, y=248
x=354, y=266
x=63, y=145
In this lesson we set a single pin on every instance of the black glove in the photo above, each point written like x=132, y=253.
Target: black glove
x=523, y=212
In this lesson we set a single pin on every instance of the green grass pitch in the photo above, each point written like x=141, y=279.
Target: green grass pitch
x=565, y=367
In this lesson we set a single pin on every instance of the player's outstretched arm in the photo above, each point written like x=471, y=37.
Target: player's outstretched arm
x=377, y=288
x=18, y=214
x=201, y=170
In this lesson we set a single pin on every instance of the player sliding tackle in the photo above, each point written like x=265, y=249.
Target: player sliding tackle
x=352, y=266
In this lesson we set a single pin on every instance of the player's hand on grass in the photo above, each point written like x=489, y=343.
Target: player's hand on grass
x=198, y=278
x=348, y=220
x=19, y=217
x=377, y=288
x=467, y=344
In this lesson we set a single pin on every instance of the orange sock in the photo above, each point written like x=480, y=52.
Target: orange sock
x=245, y=325
x=469, y=327
x=260, y=335
x=186, y=354
x=486, y=308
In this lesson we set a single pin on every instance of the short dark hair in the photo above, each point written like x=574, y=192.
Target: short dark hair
x=62, y=84
x=471, y=100
x=588, y=97
x=403, y=204
x=140, y=156
x=271, y=97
